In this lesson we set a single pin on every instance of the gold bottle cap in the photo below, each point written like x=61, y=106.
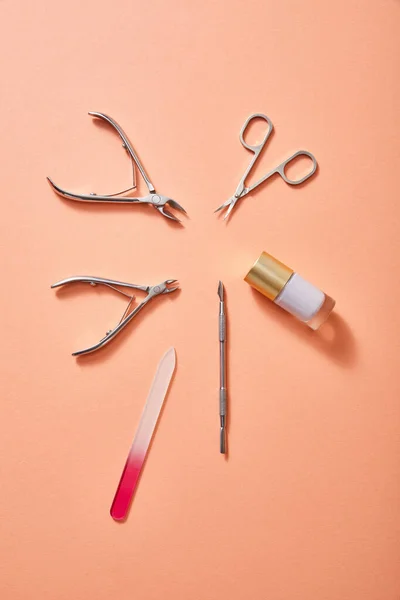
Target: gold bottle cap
x=268, y=275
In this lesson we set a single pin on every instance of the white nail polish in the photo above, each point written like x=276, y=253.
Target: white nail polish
x=290, y=291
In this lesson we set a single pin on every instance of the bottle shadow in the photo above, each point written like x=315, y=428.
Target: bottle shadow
x=334, y=338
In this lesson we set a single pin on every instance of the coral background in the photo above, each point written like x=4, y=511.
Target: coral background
x=307, y=506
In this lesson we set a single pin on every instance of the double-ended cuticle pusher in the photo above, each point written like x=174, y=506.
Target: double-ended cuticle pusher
x=222, y=369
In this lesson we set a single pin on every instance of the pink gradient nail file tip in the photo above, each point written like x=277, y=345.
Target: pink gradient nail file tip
x=144, y=434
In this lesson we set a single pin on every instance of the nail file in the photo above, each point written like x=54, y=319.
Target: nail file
x=144, y=433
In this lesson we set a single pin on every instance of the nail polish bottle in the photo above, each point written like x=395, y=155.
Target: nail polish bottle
x=290, y=291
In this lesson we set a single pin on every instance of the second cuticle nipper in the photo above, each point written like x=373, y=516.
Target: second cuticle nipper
x=152, y=292
x=159, y=202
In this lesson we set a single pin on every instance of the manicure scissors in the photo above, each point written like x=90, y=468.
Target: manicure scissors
x=242, y=190
x=151, y=290
x=158, y=201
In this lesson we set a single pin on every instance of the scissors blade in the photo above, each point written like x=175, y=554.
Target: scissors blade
x=230, y=200
x=224, y=205
x=229, y=204
x=231, y=207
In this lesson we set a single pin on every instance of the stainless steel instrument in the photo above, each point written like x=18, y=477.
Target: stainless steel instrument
x=242, y=190
x=222, y=369
x=151, y=290
x=158, y=201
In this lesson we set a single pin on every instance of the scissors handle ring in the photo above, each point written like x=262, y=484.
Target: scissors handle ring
x=281, y=168
x=257, y=147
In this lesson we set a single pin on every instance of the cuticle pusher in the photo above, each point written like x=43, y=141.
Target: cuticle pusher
x=222, y=368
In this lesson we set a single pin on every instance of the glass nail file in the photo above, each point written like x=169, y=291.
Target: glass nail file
x=142, y=439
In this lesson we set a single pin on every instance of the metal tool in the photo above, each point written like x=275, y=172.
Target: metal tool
x=136, y=457
x=158, y=201
x=222, y=369
x=242, y=190
x=151, y=290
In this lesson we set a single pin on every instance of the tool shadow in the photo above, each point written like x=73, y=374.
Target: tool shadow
x=334, y=338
